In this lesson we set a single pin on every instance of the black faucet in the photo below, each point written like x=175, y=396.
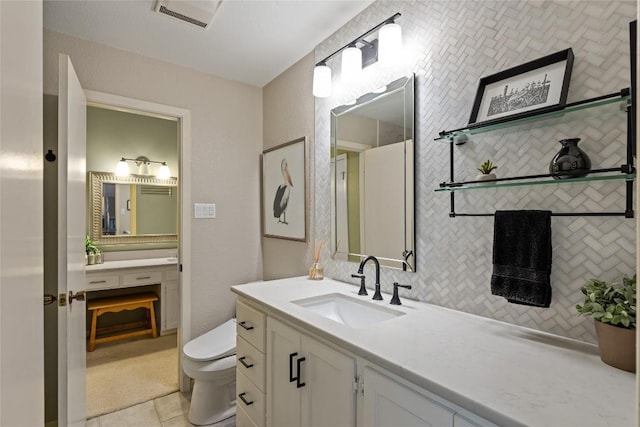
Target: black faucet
x=395, y=299
x=377, y=295
x=363, y=289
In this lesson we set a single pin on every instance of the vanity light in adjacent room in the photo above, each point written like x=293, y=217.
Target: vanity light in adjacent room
x=144, y=167
x=351, y=63
x=122, y=169
x=163, y=172
x=389, y=43
x=322, y=81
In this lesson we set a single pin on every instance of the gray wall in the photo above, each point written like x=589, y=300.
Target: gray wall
x=226, y=142
x=450, y=45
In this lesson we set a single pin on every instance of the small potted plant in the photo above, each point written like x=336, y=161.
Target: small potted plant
x=486, y=168
x=613, y=308
x=93, y=254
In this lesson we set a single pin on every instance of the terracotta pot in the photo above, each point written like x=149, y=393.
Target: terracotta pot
x=617, y=346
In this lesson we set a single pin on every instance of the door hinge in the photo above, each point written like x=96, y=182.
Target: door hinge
x=356, y=384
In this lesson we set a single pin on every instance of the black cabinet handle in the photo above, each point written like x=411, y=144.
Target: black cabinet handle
x=246, y=402
x=291, y=377
x=245, y=327
x=299, y=363
x=245, y=364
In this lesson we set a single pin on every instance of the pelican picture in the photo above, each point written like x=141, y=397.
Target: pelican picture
x=284, y=207
x=281, y=200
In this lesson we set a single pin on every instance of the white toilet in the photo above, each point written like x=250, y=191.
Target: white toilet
x=210, y=360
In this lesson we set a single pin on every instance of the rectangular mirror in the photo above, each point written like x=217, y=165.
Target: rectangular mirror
x=372, y=177
x=132, y=209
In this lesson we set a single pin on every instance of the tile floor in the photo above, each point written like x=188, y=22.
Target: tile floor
x=166, y=411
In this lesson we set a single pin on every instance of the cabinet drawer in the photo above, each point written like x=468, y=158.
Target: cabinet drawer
x=142, y=278
x=98, y=282
x=250, y=399
x=242, y=419
x=251, y=325
x=251, y=363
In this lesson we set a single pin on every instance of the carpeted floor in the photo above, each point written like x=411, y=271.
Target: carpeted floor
x=125, y=373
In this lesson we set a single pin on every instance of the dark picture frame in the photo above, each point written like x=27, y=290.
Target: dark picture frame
x=284, y=191
x=535, y=87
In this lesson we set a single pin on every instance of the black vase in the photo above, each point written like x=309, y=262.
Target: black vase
x=570, y=159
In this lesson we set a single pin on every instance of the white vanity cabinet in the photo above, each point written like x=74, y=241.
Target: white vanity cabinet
x=289, y=377
x=250, y=366
x=119, y=277
x=308, y=382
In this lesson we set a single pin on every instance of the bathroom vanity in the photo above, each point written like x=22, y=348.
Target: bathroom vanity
x=316, y=353
x=159, y=275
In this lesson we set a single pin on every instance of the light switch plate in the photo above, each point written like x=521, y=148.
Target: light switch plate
x=204, y=210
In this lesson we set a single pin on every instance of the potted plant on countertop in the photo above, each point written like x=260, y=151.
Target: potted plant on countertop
x=92, y=252
x=613, y=309
x=486, y=169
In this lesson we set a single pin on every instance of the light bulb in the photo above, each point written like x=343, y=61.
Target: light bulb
x=123, y=168
x=351, y=63
x=144, y=168
x=321, y=81
x=163, y=172
x=389, y=43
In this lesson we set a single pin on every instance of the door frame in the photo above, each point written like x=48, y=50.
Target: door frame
x=183, y=116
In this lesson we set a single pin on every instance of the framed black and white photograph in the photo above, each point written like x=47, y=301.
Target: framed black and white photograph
x=284, y=197
x=537, y=86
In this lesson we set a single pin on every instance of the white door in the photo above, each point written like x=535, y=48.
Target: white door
x=328, y=397
x=71, y=234
x=283, y=359
x=21, y=206
x=389, y=403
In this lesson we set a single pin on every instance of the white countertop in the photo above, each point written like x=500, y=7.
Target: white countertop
x=132, y=263
x=508, y=374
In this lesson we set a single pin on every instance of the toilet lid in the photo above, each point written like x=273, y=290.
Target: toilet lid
x=215, y=344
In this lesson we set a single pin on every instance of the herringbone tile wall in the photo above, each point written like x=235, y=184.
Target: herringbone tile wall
x=450, y=45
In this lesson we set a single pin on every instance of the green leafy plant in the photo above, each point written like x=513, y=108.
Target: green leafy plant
x=609, y=302
x=487, y=167
x=90, y=247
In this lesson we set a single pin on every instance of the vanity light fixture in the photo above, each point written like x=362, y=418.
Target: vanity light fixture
x=144, y=167
x=355, y=58
x=351, y=62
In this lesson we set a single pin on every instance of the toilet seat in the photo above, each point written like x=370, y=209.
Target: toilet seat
x=218, y=343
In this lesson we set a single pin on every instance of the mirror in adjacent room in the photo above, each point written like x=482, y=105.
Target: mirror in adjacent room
x=372, y=177
x=133, y=209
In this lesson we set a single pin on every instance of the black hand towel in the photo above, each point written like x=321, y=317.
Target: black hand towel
x=522, y=257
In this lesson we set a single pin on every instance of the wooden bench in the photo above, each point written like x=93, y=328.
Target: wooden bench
x=101, y=306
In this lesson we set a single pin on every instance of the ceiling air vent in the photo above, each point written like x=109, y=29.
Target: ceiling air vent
x=197, y=12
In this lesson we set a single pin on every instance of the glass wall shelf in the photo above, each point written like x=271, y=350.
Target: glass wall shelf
x=618, y=101
x=544, y=181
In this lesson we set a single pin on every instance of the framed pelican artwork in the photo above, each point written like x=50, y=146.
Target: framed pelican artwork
x=284, y=191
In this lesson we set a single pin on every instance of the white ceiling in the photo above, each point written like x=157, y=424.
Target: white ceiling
x=251, y=41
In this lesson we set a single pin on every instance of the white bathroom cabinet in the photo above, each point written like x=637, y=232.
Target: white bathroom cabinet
x=121, y=277
x=388, y=400
x=311, y=382
x=308, y=383
x=250, y=366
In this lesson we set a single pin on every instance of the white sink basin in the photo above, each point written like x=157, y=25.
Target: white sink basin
x=348, y=311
